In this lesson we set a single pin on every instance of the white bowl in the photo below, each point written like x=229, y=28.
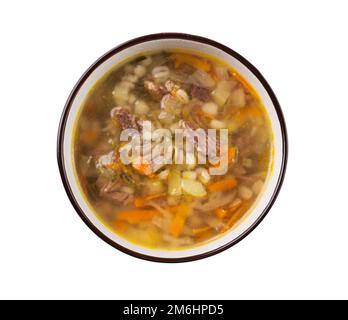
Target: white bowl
x=152, y=43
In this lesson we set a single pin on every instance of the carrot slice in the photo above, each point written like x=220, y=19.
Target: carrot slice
x=179, y=220
x=223, y=185
x=137, y=216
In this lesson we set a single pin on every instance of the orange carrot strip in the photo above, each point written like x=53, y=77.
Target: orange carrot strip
x=235, y=205
x=143, y=167
x=198, y=63
x=232, y=154
x=220, y=213
x=137, y=216
x=237, y=214
x=179, y=220
x=203, y=236
x=223, y=185
x=244, y=82
x=200, y=230
x=141, y=201
x=121, y=226
x=231, y=157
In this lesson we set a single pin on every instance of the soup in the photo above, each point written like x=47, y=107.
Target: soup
x=153, y=199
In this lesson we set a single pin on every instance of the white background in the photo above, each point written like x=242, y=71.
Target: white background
x=298, y=251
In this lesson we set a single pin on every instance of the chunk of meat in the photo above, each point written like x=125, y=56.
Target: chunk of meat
x=200, y=93
x=125, y=118
x=112, y=190
x=195, y=118
x=156, y=91
x=250, y=146
x=201, y=78
x=120, y=197
x=195, y=122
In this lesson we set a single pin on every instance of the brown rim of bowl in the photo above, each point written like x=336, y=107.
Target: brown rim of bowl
x=130, y=43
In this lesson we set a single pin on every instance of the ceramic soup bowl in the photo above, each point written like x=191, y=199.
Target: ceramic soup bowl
x=153, y=43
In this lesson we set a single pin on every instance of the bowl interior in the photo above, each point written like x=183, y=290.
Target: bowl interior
x=260, y=207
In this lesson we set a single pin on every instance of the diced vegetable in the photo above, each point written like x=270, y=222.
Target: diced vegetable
x=126, y=84
x=154, y=186
x=141, y=107
x=160, y=73
x=223, y=185
x=136, y=216
x=140, y=70
x=203, y=175
x=245, y=193
x=120, y=94
x=221, y=72
x=132, y=98
x=174, y=183
x=179, y=220
x=222, y=92
x=247, y=163
x=193, y=188
x=210, y=108
x=146, y=62
x=237, y=98
x=191, y=175
x=257, y=186
x=217, y=124
x=163, y=175
x=149, y=237
x=182, y=96
x=130, y=78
